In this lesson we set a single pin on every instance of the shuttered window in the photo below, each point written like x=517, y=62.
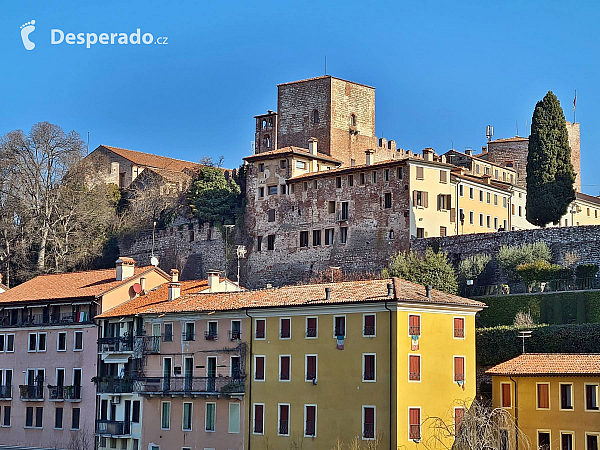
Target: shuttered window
x=258, y=419
x=420, y=173
x=369, y=329
x=414, y=367
x=284, y=420
x=414, y=325
x=311, y=327
x=285, y=328
x=414, y=417
x=311, y=367
x=259, y=371
x=284, y=373
x=369, y=367
x=368, y=422
x=506, y=400
x=543, y=396
x=260, y=329
x=310, y=427
x=459, y=368
x=459, y=327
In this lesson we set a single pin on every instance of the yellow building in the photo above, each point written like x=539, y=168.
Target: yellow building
x=553, y=398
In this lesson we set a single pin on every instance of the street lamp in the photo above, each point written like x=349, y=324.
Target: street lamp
x=575, y=209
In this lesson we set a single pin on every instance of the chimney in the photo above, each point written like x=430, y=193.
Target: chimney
x=390, y=288
x=369, y=157
x=327, y=293
x=125, y=268
x=143, y=284
x=174, y=285
x=486, y=178
x=428, y=154
x=312, y=145
x=428, y=291
x=213, y=280
x=469, y=152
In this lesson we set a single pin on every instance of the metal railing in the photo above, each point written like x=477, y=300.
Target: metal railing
x=414, y=376
x=414, y=432
x=40, y=319
x=414, y=331
x=310, y=428
x=340, y=331
x=234, y=335
x=369, y=331
x=459, y=332
x=114, y=386
x=5, y=391
x=64, y=392
x=150, y=344
x=311, y=332
x=369, y=430
x=369, y=376
x=520, y=287
x=188, y=335
x=115, y=344
x=31, y=392
x=220, y=385
x=211, y=336
x=113, y=427
x=283, y=427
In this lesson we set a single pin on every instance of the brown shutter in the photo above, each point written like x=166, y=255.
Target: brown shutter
x=370, y=321
x=369, y=416
x=459, y=368
x=543, y=396
x=414, y=367
x=453, y=215
x=285, y=328
x=425, y=196
x=414, y=198
x=506, y=400
x=284, y=412
x=260, y=368
x=260, y=329
x=258, y=418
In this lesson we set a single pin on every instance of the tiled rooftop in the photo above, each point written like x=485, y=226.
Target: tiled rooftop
x=549, y=364
x=154, y=161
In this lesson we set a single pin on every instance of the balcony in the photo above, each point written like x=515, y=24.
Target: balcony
x=369, y=376
x=112, y=427
x=188, y=336
x=108, y=385
x=5, y=391
x=33, y=392
x=211, y=336
x=283, y=427
x=414, y=376
x=311, y=332
x=150, y=344
x=234, y=335
x=36, y=320
x=190, y=385
x=369, y=431
x=369, y=331
x=459, y=332
x=69, y=393
x=115, y=344
x=414, y=331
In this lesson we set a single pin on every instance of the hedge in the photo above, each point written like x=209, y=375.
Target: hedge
x=499, y=344
x=552, y=308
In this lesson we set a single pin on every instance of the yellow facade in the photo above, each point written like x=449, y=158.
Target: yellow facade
x=579, y=421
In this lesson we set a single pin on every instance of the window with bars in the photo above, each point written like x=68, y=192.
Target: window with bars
x=369, y=325
x=311, y=327
x=284, y=368
x=259, y=410
x=368, y=431
x=414, y=367
x=369, y=367
x=259, y=368
x=310, y=425
x=284, y=420
x=260, y=329
x=285, y=328
x=311, y=368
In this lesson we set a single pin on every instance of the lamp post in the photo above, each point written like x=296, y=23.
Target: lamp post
x=575, y=209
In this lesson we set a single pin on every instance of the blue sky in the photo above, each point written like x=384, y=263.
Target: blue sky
x=443, y=70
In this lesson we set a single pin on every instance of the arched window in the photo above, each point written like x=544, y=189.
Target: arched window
x=264, y=124
x=271, y=123
x=267, y=141
x=352, y=120
x=315, y=116
x=391, y=234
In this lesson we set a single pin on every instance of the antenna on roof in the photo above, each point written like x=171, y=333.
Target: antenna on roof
x=489, y=132
x=517, y=125
x=524, y=335
x=88, y=143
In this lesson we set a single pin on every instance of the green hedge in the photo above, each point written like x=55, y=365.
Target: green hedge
x=495, y=345
x=552, y=308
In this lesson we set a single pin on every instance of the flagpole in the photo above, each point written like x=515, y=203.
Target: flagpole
x=575, y=107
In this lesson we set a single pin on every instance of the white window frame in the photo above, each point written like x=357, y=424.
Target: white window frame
x=290, y=369
x=560, y=408
x=408, y=324
x=79, y=427
x=364, y=325
x=39, y=350
x=420, y=372
x=345, y=325
x=206, y=417
x=279, y=405
x=510, y=395
x=239, y=414
x=585, y=385
x=362, y=423
x=254, y=405
x=255, y=328
x=304, y=422
x=75, y=349
x=537, y=398
x=191, y=416
x=420, y=420
x=362, y=375
x=281, y=319
x=306, y=327
x=29, y=343
x=264, y=368
x=231, y=326
x=208, y=322
x=56, y=375
x=546, y=431
x=58, y=341
x=464, y=367
x=464, y=320
x=316, y=367
x=161, y=415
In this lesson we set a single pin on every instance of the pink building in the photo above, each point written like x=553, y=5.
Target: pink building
x=186, y=370
x=48, y=352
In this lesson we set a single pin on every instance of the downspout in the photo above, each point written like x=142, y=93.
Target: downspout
x=390, y=370
x=516, y=413
x=457, y=212
x=250, y=375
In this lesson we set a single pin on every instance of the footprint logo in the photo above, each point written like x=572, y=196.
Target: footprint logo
x=26, y=30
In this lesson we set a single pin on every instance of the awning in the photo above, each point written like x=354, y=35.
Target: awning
x=115, y=359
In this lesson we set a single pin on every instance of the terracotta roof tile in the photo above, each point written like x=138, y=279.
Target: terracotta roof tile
x=549, y=364
x=512, y=139
x=154, y=161
x=300, y=295
x=92, y=283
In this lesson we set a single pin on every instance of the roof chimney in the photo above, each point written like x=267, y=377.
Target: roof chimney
x=312, y=145
x=428, y=154
x=369, y=157
x=428, y=291
x=487, y=178
x=174, y=285
x=213, y=280
x=143, y=284
x=327, y=293
x=469, y=152
x=125, y=268
x=390, y=288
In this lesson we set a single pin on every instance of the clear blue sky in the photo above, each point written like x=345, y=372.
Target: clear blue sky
x=443, y=70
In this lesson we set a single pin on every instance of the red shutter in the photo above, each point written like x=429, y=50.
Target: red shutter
x=258, y=418
x=260, y=368
x=414, y=323
x=459, y=414
x=414, y=367
x=284, y=412
x=285, y=328
x=260, y=329
x=414, y=415
x=543, y=396
x=370, y=321
x=459, y=368
x=311, y=367
x=459, y=327
x=506, y=401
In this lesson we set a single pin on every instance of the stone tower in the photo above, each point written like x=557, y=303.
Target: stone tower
x=265, y=136
x=573, y=130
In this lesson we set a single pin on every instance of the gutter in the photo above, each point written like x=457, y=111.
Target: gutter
x=516, y=413
x=250, y=376
x=390, y=371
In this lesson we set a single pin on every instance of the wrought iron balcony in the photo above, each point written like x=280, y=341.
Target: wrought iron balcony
x=234, y=335
x=5, y=391
x=31, y=392
x=113, y=427
x=369, y=376
x=64, y=392
x=459, y=332
x=150, y=344
x=414, y=331
x=283, y=427
x=310, y=428
x=114, y=386
x=42, y=319
x=211, y=336
x=369, y=431
x=311, y=332
x=115, y=344
x=414, y=376
x=190, y=385
x=369, y=331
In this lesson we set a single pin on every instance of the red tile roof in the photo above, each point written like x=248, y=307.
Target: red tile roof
x=512, y=139
x=93, y=283
x=300, y=295
x=292, y=150
x=154, y=161
x=549, y=364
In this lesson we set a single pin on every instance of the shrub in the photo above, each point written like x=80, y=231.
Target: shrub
x=511, y=257
x=542, y=271
x=473, y=266
x=586, y=270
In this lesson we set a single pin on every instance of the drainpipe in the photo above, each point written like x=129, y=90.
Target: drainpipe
x=390, y=369
x=516, y=414
x=457, y=211
x=250, y=375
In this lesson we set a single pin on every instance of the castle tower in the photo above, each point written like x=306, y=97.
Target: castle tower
x=573, y=130
x=265, y=135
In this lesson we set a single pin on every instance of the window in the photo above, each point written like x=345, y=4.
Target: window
x=283, y=419
x=261, y=192
x=566, y=396
x=566, y=441
x=282, y=189
x=261, y=167
x=591, y=397
x=504, y=443
x=258, y=243
x=505, y=395
x=414, y=367
x=310, y=420
x=443, y=176
x=488, y=197
x=310, y=373
x=234, y=418
x=186, y=423
x=471, y=217
x=29, y=416
x=259, y=418
x=480, y=219
x=345, y=212
x=495, y=223
x=282, y=163
x=343, y=235
x=459, y=368
x=543, y=440
x=328, y=236
x=39, y=416
x=61, y=341
x=374, y=176
x=471, y=193
x=420, y=232
x=168, y=336
x=58, y=418
x=443, y=231
x=212, y=331
x=6, y=418
x=339, y=326
x=414, y=423
x=190, y=331
x=304, y=239
x=504, y=225
x=591, y=441
x=285, y=328
x=331, y=207
x=352, y=120
x=315, y=116
x=459, y=415
x=76, y=414
x=32, y=342
x=414, y=325
x=301, y=165
x=399, y=173
x=459, y=327
x=165, y=416
x=78, y=341
x=135, y=413
x=41, y=347
x=461, y=190
x=261, y=326
x=420, y=199
x=543, y=396
x=387, y=200
x=271, y=242
x=362, y=179
x=480, y=195
x=259, y=368
x=338, y=182
x=476, y=168
x=420, y=174
x=311, y=327
x=211, y=410
x=488, y=221
x=369, y=325
x=316, y=238
x=368, y=422
x=271, y=215
x=520, y=211
x=504, y=202
x=350, y=180
x=369, y=367
x=284, y=367
x=272, y=190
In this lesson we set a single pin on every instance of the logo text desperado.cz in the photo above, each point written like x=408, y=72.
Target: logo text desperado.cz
x=89, y=39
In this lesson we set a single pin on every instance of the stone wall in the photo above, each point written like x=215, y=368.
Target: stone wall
x=511, y=151
x=574, y=142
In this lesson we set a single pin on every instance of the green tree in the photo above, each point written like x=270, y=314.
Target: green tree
x=550, y=174
x=432, y=269
x=213, y=198
x=509, y=257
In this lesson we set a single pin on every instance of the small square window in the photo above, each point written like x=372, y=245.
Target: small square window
x=331, y=207
x=304, y=239
x=387, y=200
x=338, y=182
x=271, y=242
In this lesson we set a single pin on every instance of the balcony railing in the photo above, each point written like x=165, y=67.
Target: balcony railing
x=211, y=336
x=234, y=335
x=64, y=392
x=415, y=432
x=199, y=385
x=414, y=376
x=340, y=331
x=284, y=376
x=42, y=319
x=188, y=336
x=310, y=428
x=283, y=427
x=5, y=391
x=311, y=332
x=115, y=344
x=150, y=344
x=112, y=427
x=369, y=376
x=369, y=431
x=414, y=331
x=459, y=332
x=114, y=386
x=31, y=392
x=369, y=331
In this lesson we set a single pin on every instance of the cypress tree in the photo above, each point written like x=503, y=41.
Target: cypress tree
x=550, y=175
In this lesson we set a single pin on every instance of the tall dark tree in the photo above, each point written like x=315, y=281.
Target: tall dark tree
x=550, y=175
